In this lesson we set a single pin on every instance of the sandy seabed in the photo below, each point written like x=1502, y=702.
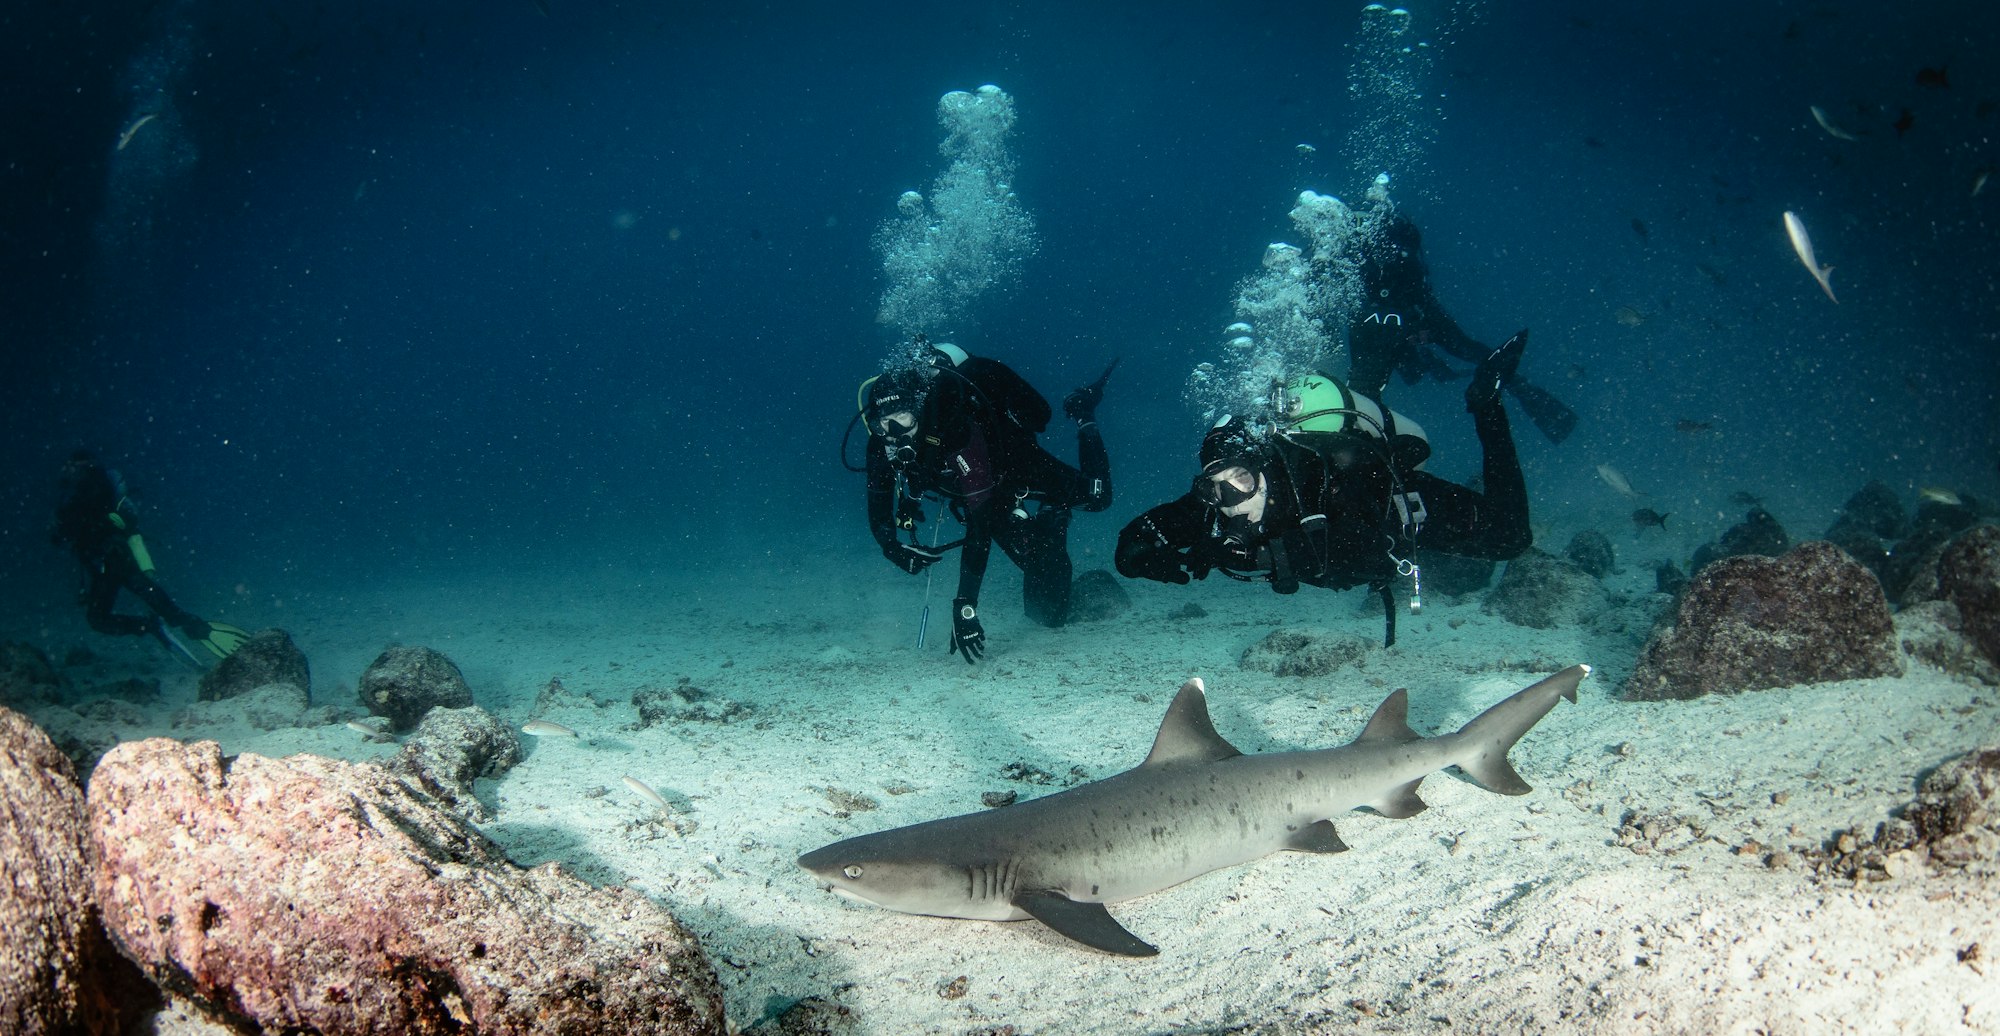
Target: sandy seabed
x=1486, y=913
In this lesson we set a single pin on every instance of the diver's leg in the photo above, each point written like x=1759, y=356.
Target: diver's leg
x=100, y=595
x=1503, y=527
x=1040, y=546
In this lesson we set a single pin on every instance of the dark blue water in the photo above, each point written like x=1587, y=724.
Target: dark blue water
x=399, y=288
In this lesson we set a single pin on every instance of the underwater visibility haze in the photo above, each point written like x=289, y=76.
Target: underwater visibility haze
x=529, y=331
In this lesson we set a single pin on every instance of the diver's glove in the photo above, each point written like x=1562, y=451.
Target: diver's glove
x=1494, y=372
x=910, y=557
x=968, y=637
x=1082, y=403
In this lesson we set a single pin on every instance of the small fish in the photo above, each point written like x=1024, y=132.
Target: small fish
x=1613, y=478
x=544, y=728
x=1306, y=149
x=1592, y=142
x=373, y=734
x=1933, y=78
x=645, y=791
x=1686, y=426
x=133, y=130
x=1979, y=182
x=1647, y=518
x=1940, y=495
x=1745, y=498
x=1639, y=228
x=1796, y=230
x=1715, y=276
x=1904, y=122
x=1826, y=124
x=1628, y=316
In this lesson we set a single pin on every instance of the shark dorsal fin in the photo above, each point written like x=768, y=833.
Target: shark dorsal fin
x=1391, y=721
x=1187, y=735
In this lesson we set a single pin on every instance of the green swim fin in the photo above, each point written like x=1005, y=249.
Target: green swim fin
x=221, y=639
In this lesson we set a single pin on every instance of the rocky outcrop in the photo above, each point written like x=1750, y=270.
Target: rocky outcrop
x=1933, y=633
x=1095, y=596
x=1758, y=533
x=1306, y=652
x=1957, y=812
x=1747, y=623
x=268, y=657
x=314, y=895
x=26, y=677
x=454, y=747
x=1969, y=576
x=1591, y=551
x=403, y=683
x=57, y=972
x=1542, y=592
x=1453, y=574
x=273, y=706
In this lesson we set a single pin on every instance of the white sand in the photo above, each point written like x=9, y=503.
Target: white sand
x=1487, y=913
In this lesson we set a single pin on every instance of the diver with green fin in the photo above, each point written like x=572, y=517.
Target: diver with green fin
x=1330, y=490
x=962, y=429
x=97, y=521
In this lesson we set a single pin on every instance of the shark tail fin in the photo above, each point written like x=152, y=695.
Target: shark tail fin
x=1492, y=734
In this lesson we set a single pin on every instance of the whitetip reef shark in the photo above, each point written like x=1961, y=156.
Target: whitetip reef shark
x=1195, y=805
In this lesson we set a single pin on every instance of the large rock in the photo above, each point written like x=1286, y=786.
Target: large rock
x=57, y=972
x=454, y=747
x=1542, y=591
x=1453, y=574
x=314, y=895
x=1758, y=533
x=26, y=677
x=1591, y=551
x=1749, y=622
x=1969, y=576
x=268, y=657
x=1095, y=596
x=403, y=683
x=1957, y=812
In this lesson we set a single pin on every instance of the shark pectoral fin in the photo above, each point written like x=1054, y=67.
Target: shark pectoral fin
x=1087, y=923
x=1401, y=803
x=1316, y=838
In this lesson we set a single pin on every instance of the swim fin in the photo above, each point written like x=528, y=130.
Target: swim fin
x=1551, y=415
x=165, y=635
x=221, y=639
x=1495, y=373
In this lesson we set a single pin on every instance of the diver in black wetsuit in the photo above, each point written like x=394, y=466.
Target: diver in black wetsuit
x=98, y=523
x=1333, y=495
x=963, y=428
x=1401, y=321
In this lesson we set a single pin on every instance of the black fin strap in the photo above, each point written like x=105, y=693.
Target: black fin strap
x=1388, y=595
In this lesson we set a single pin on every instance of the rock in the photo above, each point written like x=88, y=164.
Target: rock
x=1747, y=623
x=1957, y=811
x=315, y=895
x=274, y=706
x=1305, y=652
x=403, y=683
x=1453, y=574
x=1911, y=574
x=1542, y=591
x=268, y=657
x=451, y=748
x=1757, y=533
x=1875, y=510
x=1096, y=596
x=58, y=974
x=26, y=677
x=1669, y=579
x=1933, y=633
x=1189, y=610
x=1591, y=551
x=685, y=703
x=1969, y=576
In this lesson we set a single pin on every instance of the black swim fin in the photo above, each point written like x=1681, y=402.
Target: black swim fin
x=1555, y=419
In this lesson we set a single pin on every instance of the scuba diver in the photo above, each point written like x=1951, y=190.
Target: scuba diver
x=97, y=521
x=1402, y=320
x=1333, y=494
x=962, y=428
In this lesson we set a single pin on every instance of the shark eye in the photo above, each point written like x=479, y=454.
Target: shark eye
x=851, y=871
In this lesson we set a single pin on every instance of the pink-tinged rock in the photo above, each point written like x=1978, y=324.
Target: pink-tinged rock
x=1750, y=622
x=314, y=895
x=1969, y=576
x=57, y=973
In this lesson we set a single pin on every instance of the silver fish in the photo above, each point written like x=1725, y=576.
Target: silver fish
x=1803, y=246
x=1615, y=479
x=544, y=728
x=1819, y=116
x=645, y=791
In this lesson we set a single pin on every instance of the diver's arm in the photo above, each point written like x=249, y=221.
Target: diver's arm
x=1096, y=467
x=972, y=557
x=1164, y=542
x=881, y=501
